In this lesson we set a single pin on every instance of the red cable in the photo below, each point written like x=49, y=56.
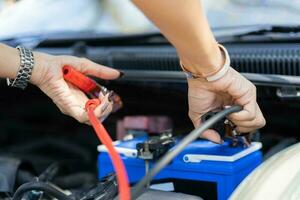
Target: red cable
x=88, y=85
x=124, y=189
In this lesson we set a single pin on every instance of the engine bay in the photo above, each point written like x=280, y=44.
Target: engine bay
x=39, y=143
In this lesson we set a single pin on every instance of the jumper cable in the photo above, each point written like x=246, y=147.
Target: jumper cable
x=93, y=90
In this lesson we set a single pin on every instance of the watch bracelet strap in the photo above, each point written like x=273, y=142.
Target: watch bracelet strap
x=25, y=69
x=216, y=75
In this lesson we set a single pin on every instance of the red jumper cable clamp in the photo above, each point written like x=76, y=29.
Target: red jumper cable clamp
x=93, y=90
x=89, y=86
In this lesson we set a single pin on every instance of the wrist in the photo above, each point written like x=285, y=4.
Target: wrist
x=221, y=84
x=214, y=75
x=205, y=64
x=9, y=61
x=41, y=65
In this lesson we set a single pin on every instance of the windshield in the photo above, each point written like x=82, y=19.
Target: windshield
x=34, y=17
x=224, y=13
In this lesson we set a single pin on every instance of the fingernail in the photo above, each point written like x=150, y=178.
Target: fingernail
x=121, y=74
x=212, y=136
x=217, y=141
x=111, y=96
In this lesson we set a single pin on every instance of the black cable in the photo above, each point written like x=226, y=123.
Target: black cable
x=76, y=180
x=161, y=163
x=40, y=186
x=49, y=173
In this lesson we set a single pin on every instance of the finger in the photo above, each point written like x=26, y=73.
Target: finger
x=247, y=127
x=61, y=109
x=107, y=112
x=247, y=114
x=103, y=110
x=100, y=71
x=69, y=101
x=212, y=135
x=209, y=134
x=79, y=114
x=89, y=67
x=257, y=123
x=200, y=102
x=105, y=107
x=195, y=118
x=244, y=129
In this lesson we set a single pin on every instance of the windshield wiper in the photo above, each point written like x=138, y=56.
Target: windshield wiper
x=274, y=29
x=258, y=32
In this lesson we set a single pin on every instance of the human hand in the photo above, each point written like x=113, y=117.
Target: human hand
x=231, y=89
x=47, y=75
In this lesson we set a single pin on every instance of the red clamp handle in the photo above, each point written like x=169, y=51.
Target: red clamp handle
x=78, y=79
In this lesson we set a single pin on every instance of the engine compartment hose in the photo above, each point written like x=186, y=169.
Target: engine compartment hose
x=168, y=157
x=122, y=178
x=43, y=187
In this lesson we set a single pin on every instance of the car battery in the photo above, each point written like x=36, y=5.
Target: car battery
x=202, y=160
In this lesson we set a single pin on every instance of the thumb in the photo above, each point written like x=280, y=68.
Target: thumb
x=89, y=67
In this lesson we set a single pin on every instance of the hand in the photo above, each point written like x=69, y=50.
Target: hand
x=47, y=75
x=231, y=89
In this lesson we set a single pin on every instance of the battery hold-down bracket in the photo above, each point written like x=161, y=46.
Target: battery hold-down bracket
x=155, y=146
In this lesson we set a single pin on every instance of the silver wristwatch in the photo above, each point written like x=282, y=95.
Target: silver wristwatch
x=25, y=70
